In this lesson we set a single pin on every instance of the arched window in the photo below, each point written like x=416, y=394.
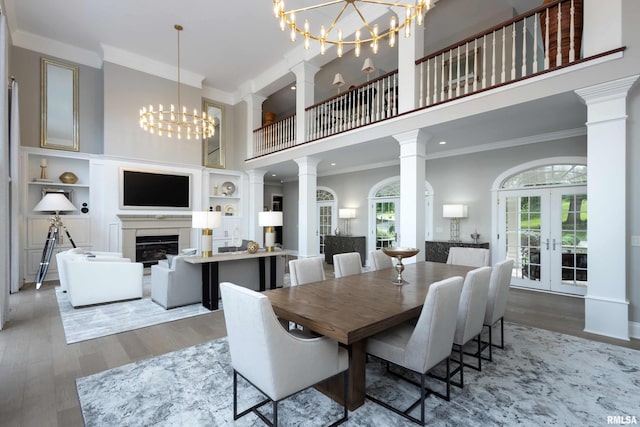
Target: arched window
x=326, y=213
x=324, y=196
x=547, y=175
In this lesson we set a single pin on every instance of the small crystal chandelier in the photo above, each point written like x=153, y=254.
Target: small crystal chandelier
x=171, y=121
x=372, y=34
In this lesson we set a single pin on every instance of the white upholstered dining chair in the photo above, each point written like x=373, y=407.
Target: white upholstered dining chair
x=306, y=270
x=472, y=257
x=422, y=346
x=380, y=260
x=347, y=264
x=497, y=301
x=259, y=346
x=471, y=311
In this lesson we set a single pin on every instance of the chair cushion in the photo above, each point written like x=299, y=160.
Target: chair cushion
x=391, y=344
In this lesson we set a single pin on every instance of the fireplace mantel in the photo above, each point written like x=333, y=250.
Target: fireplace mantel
x=134, y=225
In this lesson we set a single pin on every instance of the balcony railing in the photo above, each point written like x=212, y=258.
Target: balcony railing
x=542, y=39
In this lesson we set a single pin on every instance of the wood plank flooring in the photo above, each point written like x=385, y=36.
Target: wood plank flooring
x=38, y=369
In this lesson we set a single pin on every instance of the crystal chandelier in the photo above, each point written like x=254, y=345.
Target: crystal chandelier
x=370, y=34
x=180, y=123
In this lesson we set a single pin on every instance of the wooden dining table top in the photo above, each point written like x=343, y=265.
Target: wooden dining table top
x=352, y=308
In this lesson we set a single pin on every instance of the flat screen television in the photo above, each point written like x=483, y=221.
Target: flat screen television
x=154, y=189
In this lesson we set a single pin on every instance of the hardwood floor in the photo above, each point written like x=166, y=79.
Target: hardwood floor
x=38, y=369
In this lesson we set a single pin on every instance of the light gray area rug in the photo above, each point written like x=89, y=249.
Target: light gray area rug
x=96, y=321
x=541, y=378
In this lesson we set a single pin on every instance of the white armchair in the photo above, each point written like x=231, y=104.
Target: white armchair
x=259, y=347
x=175, y=283
x=100, y=280
x=472, y=257
x=63, y=256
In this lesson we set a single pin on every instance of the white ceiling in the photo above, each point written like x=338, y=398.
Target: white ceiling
x=233, y=51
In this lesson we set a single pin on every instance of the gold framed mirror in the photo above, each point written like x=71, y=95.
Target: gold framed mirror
x=58, y=105
x=213, y=148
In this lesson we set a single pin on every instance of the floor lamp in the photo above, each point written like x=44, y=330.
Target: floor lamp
x=52, y=202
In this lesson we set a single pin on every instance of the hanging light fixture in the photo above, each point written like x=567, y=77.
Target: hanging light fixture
x=175, y=121
x=369, y=34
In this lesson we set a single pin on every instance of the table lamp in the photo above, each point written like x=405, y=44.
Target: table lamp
x=455, y=212
x=269, y=220
x=207, y=221
x=347, y=214
x=338, y=81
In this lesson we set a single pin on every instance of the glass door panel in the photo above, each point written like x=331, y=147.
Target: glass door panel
x=325, y=222
x=523, y=229
x=386, y=215
x=569, y=241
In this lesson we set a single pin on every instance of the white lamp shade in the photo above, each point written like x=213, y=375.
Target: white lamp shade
x=454, y=211
x=346, y=213
x=338, y=80
x=368, y=67
x=206, y=219
x=54, y=202
x=269, y=219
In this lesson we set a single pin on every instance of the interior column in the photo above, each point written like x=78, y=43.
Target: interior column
x=305, y=96
x=307, y=219
x=606, y=303
x=254, y=118
x=412, y=188
x=256, y=204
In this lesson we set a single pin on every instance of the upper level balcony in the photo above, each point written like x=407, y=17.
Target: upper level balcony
x=539, y=41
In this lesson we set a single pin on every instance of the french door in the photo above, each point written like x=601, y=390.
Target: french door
x=545, y=232
x=386, y=213
x=326, y=221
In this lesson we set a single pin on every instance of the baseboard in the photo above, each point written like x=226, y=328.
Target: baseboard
x=634, y=330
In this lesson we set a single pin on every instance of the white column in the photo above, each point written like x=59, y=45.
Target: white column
x=307, y=221
x=412, y=188
x=305, y=73
x=256, y=203
x=254, y=118
x=606, y=303
x=409, y=49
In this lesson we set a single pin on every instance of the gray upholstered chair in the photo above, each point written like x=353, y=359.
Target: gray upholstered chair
x=347, y=264
x=472, y=257
x=497, y=301
x=306, y=270
x=261, y=352
x=421, y=347
x=471, y=311
x=175, y=283
x=380, y=260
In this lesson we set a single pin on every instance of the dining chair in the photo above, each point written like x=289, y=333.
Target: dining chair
x=380, y=260
x=471, y=311
x=472, y=257
x=258, y=347
x=347, y=264
x=497, y=302
x=306, y=270
x=420, y=347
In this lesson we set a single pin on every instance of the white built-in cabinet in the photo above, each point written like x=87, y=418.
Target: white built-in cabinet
x=218, y=197
x=33, y=188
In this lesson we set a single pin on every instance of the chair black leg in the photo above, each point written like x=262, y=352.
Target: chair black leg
x=501, y=346
x=449, y=378
x=461, y=367
x=235, y=395
x=422, y=398
x=490, y=343
x=275, y=414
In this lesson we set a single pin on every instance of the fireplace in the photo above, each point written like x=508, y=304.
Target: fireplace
x=151, y=249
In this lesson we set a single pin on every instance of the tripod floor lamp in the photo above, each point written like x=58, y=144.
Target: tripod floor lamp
x=52, y=202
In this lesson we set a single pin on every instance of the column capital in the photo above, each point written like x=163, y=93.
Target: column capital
x=607, y=91
x=307, y=164
x=256, y=176
x=305, y=71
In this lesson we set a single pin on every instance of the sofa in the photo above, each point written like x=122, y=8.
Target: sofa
x=63, y=256
x=175, y=283
x=97, y=278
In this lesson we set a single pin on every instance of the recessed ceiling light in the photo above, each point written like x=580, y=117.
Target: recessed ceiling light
x=273, y=174
x=293, y=87
x=333, y=164
x=442, y=142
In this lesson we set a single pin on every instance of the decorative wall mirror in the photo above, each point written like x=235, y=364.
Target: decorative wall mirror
x=58, y=105
x=213, y=148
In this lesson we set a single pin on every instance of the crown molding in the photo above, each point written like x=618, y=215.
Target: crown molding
x=55, y=48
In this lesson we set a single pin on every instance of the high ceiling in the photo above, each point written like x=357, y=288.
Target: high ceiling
x=233, y=49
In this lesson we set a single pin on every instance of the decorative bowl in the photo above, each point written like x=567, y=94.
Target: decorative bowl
x=68, y=178
x=228, y=188
x=252, y=247
x=400, y=253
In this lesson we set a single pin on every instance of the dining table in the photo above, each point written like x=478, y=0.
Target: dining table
x=350, y=309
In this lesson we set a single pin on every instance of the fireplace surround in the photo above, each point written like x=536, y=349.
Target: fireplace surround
x=134, y=226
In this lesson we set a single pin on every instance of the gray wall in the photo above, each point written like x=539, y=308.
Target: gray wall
x=25, y=66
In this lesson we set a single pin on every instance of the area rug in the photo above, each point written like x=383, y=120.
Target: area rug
x=96, y=321
x=541, y=378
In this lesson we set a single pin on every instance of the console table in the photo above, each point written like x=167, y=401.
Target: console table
x=343, y=244
x=211, y=271
x=439, y=251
